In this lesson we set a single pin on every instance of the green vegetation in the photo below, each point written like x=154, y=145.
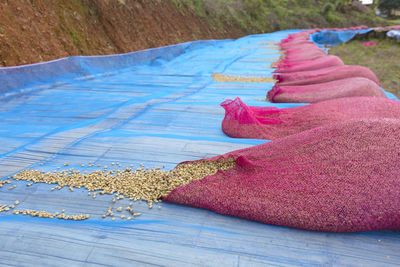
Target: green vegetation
x=255, y=16
x=394, y=21
x=387, y=5
x=382, y=59
x=66, y=16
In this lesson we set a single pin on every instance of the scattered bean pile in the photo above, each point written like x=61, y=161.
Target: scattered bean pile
x=270, y=47
x=228, y=78
x=141, y=184
x=42, y=213
x=6, y=207
x=58, y=215
x=2, y=183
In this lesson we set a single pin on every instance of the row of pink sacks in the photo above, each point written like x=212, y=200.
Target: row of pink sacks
x=387, y=28
x=331, y=166
x=340, y=92
x=341, y=177
x=242, y=121
x=307, y=74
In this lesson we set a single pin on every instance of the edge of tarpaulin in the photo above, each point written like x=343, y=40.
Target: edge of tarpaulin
x=67, y=68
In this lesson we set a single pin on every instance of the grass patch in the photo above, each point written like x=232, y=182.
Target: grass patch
x=257, y=16
x=383, y=59
x=394, y=21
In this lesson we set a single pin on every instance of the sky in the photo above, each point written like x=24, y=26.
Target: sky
x=367, y=2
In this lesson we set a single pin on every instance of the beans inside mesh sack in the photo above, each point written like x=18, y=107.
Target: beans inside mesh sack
x=350, y=87
x=303, y=47
x=325, y=75
x=242, y=121
x=344, y=177
x=300, y=36
x=295, y=43
x=323, y=62
x=311, y=54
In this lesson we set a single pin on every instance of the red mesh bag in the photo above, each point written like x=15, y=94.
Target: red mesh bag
x=297, y=37
x=313, y=93
x=361, y=27
x=343, y=177
x=325, y=75
x=242, y=121
x=292, y=44
x=299, y=48
x=291, y=56
x=323, y=62
x=300, y=35
x=292, y=41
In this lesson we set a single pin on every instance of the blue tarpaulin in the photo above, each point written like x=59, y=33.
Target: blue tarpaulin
x=393, y=34
x=154, y=107
x=332, y=38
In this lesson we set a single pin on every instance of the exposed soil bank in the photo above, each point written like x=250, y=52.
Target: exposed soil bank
x=40, y=30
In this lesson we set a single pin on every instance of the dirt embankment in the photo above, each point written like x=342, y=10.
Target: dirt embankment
x=40, y=30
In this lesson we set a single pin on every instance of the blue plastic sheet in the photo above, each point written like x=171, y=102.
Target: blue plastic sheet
x=393, y=34
x=332, y=38
x=156, y=107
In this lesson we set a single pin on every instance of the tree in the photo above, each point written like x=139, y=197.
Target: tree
x=387, y=5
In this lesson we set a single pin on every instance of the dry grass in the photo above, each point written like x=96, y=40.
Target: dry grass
x=383, y=59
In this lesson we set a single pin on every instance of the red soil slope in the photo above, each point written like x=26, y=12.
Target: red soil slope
x=40, y=30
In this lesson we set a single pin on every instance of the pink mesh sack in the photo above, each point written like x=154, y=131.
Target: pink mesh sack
x=300, y=35
x=361, y=27
x=292, y=38
x=242, y=121
x=295, y=38
x=323, y=62
x=343, y=177
x=292, y=44
x=300, y=48
x=303, y=56
x=313, y=93
x=325, y=75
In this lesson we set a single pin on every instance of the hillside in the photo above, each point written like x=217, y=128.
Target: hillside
x=40, y=30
